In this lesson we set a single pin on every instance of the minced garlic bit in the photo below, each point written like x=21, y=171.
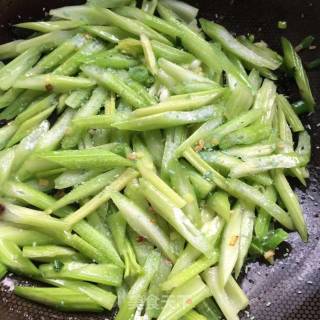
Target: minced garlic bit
x=199, y=146
x=43, y=182
x=132, y=156
x=233, y=240
x=268, y=254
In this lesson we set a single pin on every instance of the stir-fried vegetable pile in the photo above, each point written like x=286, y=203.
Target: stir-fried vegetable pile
x=143, y=157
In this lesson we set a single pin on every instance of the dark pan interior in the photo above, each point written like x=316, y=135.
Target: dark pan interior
x=289, y=290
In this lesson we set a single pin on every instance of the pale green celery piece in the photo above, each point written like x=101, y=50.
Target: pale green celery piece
x=229, y=310
x=286, y=143
x=108, y=33
x=97, y=221
x=230, y=245
x=184, y=298
x=156, y=297
x=201, y=186
x=17, y=67
x=91, y=244
x=265, y=100
x=72, y=65
x=184, y=10
x=9, y=49
x=142, y=247
x=50, y=26
x=169, y=82
x=212, y=56
x=238, y=189
x=108, y=3
x=7, y=158
x=246, y=152
x=212, y=230
x=133, y=192
x=76, y=98
x=54, y=83
x=182, y=185
x=86, y=159
x=101, y=197
x=121, y=293
x=224, y=162
x=84, y=14
x=304, y=147
x=194, y=315
x=177, y=242
x=35, y=108
x=27, y=193
x=58, y=56
x=182, y=103
x=133, y=26
x=236, y=294
x=166, y=119
x=152, y=178
x=149, y=55
x=94, y=16
x=8, y=97
x=90, y=108
x=25, y=148
x=149, y=6
x=139, y=287
x=6, y=133
x=24, y=237
x=143, y=223
x=292, y=118
x=150, y=20
x=3, y=271
x=114, y=83
x=173, y=138
x=46, y=252
x=34, y=166
x=262, y=222
x=62, y=299
x=87, y=188
x=229, y=43
x=174, y=55
x=46, y=64
x=175, y=217
x=250, y=135
x=257, y=165
x=144, y=157
x=178, y=88
x=178, y=279
x=181, y=74
x=219, y=203
x=46, y=41
x=289, y=198
x=103, y=297
x=118, y=226
x=213, y=131
x=293, y=63
x=239, y=101
x=255, y=79
x=209, y=309
x=27, y=127
x=11, y=256
x=32, y=218
x=26, y=98
x=106, y=274
x=155, y=143
x=246, y=232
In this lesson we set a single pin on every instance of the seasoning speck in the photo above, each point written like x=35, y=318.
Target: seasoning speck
x=49, y=87
x=2, y=208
